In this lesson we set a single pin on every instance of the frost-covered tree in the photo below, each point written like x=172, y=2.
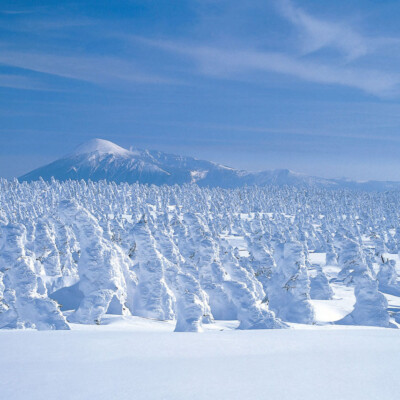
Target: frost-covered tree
x=320, y=289
x=331, y=254
x=171, y=252
x=387, y=277
x=371, y=305
x=351, y=260
x=47, y=253
x=152, y=296
x=289, y=291
x=102, y=267
x=189, y=307
x=23, y=297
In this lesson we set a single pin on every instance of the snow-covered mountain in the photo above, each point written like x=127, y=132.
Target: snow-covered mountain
x=100, y=159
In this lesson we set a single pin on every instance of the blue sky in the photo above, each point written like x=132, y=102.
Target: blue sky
x=308, y=85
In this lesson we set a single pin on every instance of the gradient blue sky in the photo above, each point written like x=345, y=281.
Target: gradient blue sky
x=313, y=86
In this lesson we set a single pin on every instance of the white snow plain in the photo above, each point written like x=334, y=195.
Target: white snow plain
x=137, y=358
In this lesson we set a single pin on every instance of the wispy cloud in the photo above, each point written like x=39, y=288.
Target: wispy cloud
x=239, y=60
x=240, y=63
x=95, y=69
x=41, y=24
x=317, y=133
x=22, y=82
x=15, y=12
x=248, y=61
x=63, y=47
x=317, y=33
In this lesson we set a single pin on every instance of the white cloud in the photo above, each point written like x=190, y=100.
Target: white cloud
x=22, y=82
x=343, y=68
x=99, y=70
x=237, y=64
x=318, y=33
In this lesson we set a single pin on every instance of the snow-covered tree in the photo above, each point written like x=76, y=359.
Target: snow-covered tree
x=102, y=267
x=289, y=290
x=371, y=305
x=172, y=252
x=23, y=297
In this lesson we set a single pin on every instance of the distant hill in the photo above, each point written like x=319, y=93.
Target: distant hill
x=100, y=159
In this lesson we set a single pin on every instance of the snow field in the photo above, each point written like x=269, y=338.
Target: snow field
x=144, y=359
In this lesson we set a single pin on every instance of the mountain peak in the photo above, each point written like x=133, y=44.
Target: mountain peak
x=100, y=159
x=100, y=146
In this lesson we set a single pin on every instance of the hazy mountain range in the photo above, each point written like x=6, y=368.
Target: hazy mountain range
x=100, y=159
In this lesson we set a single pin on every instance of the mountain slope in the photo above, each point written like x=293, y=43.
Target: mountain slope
x=100, y=159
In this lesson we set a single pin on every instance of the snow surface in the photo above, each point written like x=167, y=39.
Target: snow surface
x=136, y=358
